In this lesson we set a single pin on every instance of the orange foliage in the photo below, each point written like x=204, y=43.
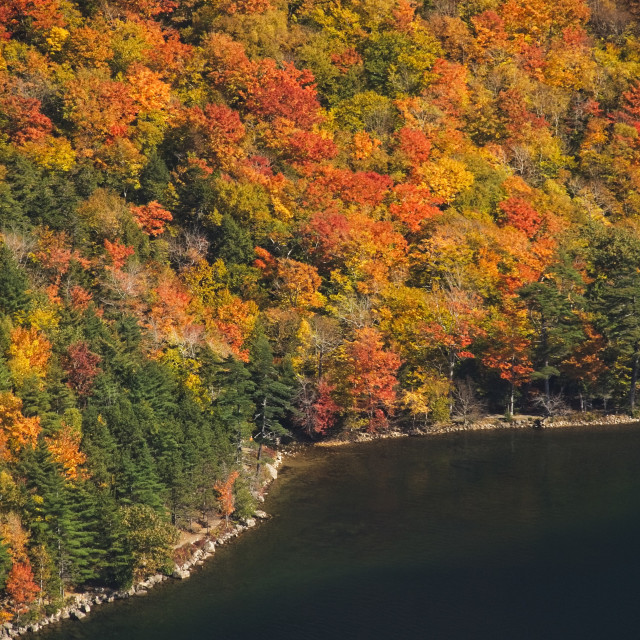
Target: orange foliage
x=521, y=215
x=80, y=298
x=16, y=431
x=297, y=284
x=225, y=494
x=371, y=377
x=118, y=253
x=151, y=218
x=21, y=588
x=64, y=447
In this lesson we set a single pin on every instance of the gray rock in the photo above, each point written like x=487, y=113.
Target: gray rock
x=76, y=614
x=251, y=522
x=142, y=592
x=271, y=470
x=181, y=574
x=258, y=513
x=85, y=607
x=210, y=546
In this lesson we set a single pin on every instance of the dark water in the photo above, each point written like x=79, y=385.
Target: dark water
x=503, y=535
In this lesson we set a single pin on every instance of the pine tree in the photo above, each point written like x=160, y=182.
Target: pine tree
x=615, y=296
x=5, y=564
x=63, y=518
x=13, y=284
x=272, y=396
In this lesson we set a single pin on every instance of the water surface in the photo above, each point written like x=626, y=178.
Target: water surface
x=496, y=535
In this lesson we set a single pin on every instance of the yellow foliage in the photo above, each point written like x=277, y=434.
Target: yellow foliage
x=446, y=177
x=43, y=318
x=29, y=354
x=55, y=154
x=14, y=536
x=57, y=37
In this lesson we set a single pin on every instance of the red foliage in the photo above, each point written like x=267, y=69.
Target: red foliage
x=215, y=133
x=247, y=7
x=449, y=89
x=284, y=92
x=42, y=15
x=533, y=60
x=21, y=588
x=324, y=409
x=371, y=377
x=151, y=218
x=359, y=188
x=307, y=146
x=81, y=366
x=346, y=59
x=630, y=112
x=519, y=119
x=414, y=206
x=415, y=145
x=147, y=8
x=118, y=253
x=521, y=215
x=22, y=120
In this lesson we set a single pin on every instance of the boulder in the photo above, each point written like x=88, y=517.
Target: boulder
x=271, y=470
x=251, y=522
x=181, y=574
x=76, y=614
x=209, y=546
x=258, y=513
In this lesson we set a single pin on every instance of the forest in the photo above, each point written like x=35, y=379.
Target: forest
x=228, y=222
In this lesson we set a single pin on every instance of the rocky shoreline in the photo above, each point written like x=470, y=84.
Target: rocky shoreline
x=490, y=423
x=203, y=549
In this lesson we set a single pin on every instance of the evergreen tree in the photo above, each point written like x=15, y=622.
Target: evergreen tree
x=615, y=297
x=63, y=518
x=13, y=283
x=5, y=564
x=272, y=395
x=554, y=304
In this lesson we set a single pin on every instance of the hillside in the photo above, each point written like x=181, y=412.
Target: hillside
x=228, y=221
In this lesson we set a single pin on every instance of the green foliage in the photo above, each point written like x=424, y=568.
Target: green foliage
x=221, y=200
x=5, y=565
x=13, y=283
x=149, y=539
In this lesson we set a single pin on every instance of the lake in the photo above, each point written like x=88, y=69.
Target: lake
x=512, y=534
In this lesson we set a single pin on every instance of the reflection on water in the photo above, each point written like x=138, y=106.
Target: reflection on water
x=514, y=534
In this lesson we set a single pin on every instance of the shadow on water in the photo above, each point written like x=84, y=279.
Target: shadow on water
x=513, y=534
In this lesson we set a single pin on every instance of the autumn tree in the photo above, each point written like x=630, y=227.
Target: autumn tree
x=226, y=500
x=20, y=587
x=370, y=379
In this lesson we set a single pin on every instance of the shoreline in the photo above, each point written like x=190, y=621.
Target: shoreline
x=199, y=549
x=204, y=545
x=489, y=423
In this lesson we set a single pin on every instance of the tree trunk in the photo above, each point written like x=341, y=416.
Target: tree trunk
x=634, y=378
x=258, y=464
x=547, y=389
x=512, y=398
